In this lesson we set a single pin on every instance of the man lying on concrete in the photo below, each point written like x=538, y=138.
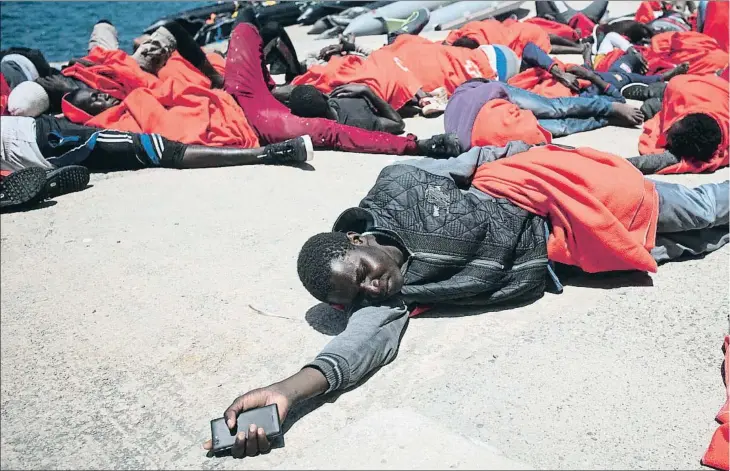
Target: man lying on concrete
x=110, y=70
x=479, y=114
x=248, y=81
x=482, y=229
x=50, y=142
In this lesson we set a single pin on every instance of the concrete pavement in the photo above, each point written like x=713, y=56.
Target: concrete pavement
x=137, y=310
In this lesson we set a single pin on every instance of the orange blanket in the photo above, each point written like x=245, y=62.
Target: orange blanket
x=596, y=225
x=540, y=81
x=718, y=455
x=701, y=51
x=685, y=95
x=500, y=121
x=645, y=12
x=716, y=23
x=510, y=33
x=113, y=72
x=436, y=65
x=186, y=113
x=382, y=71
x=553, y=27
x=117, y=73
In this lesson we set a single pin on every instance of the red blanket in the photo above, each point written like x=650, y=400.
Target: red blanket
x=582, y=25
x=500, y=122
x=117, y=73
x=540, y=81
x=596, y=225
x=186, y=113
x=716, y=23
x=4, y=93
x=510, y=33
x=701, y=51
x=718, y=453
x=382, y=71
x=112, y=72
x=436, y=65
x=553, y=27
x=645, y=12
x=685, y=95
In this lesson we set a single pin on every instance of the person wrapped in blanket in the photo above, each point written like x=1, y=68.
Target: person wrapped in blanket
x=482, y=229
x=106, y=64
x=65, y=151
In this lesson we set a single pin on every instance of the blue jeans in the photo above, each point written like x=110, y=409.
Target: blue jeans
x=692, y=221
x=563, y=116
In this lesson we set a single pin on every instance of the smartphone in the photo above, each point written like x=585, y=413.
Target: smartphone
x=266, y=418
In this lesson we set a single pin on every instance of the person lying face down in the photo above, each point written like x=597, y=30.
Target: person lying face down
x=463, y=232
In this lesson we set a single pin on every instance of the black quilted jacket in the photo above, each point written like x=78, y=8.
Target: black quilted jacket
x=463, y=249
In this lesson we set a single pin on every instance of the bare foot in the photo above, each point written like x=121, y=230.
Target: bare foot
x=682, y=68
x=626, y=115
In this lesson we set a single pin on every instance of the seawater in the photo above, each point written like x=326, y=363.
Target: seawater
x=61, y=29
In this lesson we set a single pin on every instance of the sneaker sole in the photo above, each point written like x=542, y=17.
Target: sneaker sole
x=309, y=146
x=66, y=180
x=22, y=187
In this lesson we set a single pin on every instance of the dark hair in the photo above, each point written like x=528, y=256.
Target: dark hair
x=308, y=102
x=468, y=43
x=697, y=136
x=314, y=264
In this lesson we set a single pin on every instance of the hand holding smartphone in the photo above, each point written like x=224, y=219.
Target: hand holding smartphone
x=263, y=417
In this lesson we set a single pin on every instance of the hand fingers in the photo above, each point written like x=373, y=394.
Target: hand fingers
x=252, y=444
x=208, y=445
x=232, y=412
x=264, y=445
x=239, y=447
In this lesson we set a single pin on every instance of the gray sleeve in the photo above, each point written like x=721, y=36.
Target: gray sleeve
x=461, y=169
x=370, y=340
x=650, y=164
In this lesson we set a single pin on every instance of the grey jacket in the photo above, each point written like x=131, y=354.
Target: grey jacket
x=400, y=205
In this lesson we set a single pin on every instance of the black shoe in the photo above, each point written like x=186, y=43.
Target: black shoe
x=293, y=151
x=416, y=22
x=635, y=91
x=22, y=187
x=66, y=180
x=441, y=146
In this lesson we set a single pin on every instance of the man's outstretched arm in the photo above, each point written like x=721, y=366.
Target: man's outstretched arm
x=370, y=340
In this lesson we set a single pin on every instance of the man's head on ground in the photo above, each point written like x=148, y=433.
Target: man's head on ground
x=308, y=102
x=696, y=136
x=468, y=43
x=638, y=33
x=91, y=101
x=339, y=268
x=154, y=51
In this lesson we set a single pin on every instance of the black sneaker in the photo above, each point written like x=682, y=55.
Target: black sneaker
x=441, y=146
x=22, y=187
x=293, y=151
x=636, y=91
x=66, y=180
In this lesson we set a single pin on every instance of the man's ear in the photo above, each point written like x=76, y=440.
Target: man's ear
x=355, y=238
x=360, y=239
